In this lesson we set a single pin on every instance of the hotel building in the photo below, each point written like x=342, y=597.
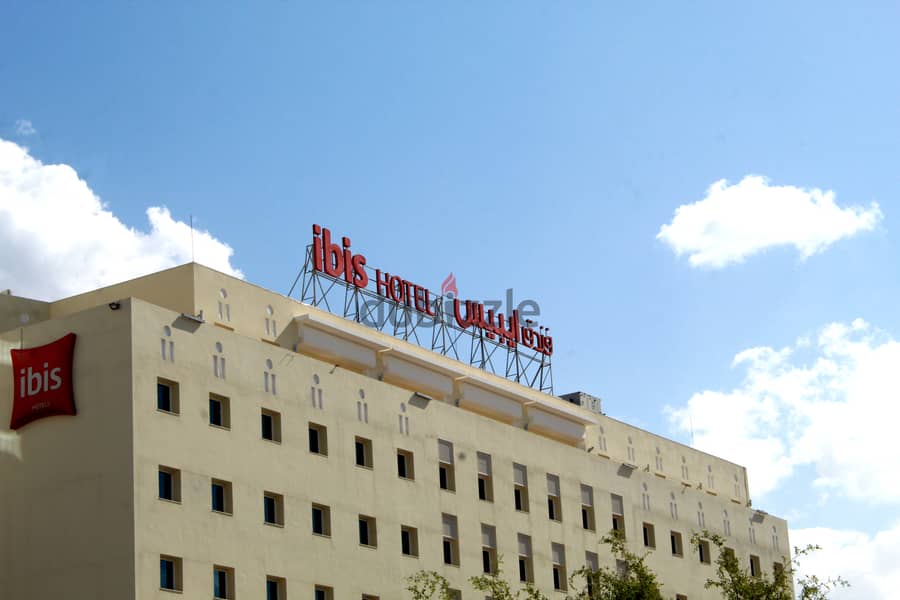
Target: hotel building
x=231, y=442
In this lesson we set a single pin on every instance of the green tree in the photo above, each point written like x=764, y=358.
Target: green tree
x=497, y=588
x=736, y=583
x=423, y=585
x=631, y=580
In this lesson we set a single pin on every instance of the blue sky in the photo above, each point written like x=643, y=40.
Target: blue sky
x=498, y=141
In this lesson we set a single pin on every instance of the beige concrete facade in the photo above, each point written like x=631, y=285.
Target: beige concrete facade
x=81, y=517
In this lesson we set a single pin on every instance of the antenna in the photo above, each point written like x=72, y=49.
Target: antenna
x=192, y=238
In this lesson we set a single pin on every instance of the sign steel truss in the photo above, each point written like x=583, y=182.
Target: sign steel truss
x=439, y=333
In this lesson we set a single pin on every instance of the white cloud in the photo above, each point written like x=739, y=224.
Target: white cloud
x=57, y=238
x=829, y=402
x=736, y=221
x=870, y=563
x=25, y=128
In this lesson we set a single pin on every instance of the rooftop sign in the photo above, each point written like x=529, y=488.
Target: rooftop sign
x=467, y=330
x=340, y=262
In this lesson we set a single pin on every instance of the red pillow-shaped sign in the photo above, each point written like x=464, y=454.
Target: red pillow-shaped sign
x=43, y=381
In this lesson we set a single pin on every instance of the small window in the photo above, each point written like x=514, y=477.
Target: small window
x=169, y=484
x=369, y=597
x=677, y=547
x=777, y=569
x=368, y=535
x=409, y=540
x=318, y=439
x=363, y=452
x=520, y=487
x=703, y=550
x=321, y=520
x=273, y=509
x=405, y=465
x=485, y=477
x=489, y=562
x=219, y=411
x=558, y=556
x=755, y=570
x=221, y=496
x=451, y=540
x=271, y=426
x=446, y=471
x=591, y=560
x=223, y=583
x=167, y=396
x=276, y=588
x=526, y=570
x=680, y=597
x=649, y=535
x=170, y=573
x=618, y=514
x=554, y=499
x=323, y=593
x=587, y=508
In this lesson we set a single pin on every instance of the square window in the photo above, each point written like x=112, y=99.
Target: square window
x=450, y=545
x=273, y=509
x=167, y=396
x=321, y=520
x=489, y=562
x=755, y=570
x=485, y=477
x=169, y=484
x=587, y=508
x=520, y=487
x=405, y=465
x=368, y=534
x=446, y=470
x=558, y=556
x=169, y=573
x=409, y=540
x=703, y=550
x=363, y=449
x=223, y=583
x=618, y=514
x=276, y=588
x=221, y=496
x=554, y=500
x=649, y=535
x=591, y=560
x=526, y=571
x=675, y=540
x=323, y=593
x=318, y=439
x=271, y=426
x=219, y=411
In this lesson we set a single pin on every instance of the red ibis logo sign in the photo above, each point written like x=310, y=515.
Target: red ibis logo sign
x=340, y=262
x=43, y=385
